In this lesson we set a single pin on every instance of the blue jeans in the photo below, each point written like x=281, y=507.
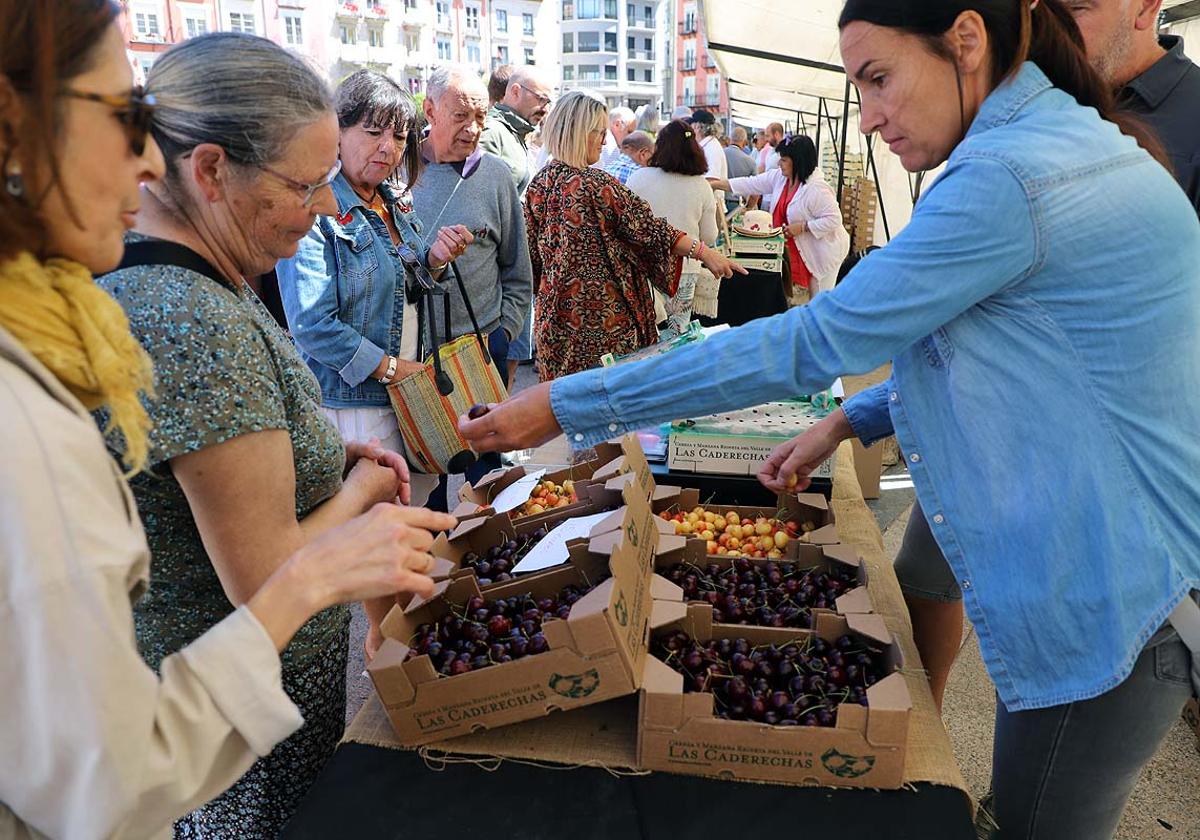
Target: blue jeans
x=1066, y=772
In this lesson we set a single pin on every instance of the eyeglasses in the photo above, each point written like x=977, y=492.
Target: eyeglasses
x=310, y=190
x=135, y=111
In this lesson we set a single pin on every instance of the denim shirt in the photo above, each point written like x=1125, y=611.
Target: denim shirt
x=344, y=294
x=1041, y=309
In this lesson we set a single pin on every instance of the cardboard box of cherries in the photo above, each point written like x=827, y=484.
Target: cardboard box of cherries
x=467, y=660
x=825, y=706
x=737, y=530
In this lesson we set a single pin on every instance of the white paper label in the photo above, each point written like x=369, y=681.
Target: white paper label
x=552, y=550
x=517, y=494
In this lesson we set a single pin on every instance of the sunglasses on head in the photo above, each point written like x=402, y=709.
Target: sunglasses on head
x=135, y=111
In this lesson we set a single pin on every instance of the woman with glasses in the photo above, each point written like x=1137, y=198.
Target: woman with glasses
x=243, y=466
x=347, y=289
x=94, y=743
x=597, y=249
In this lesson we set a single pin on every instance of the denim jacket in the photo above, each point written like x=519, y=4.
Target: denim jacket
x=1042, y=309
x=344, y=293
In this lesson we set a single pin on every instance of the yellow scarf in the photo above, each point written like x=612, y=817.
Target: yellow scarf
x=82, y=336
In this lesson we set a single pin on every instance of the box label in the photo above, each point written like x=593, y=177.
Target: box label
x=575, y=686
x=727, y=454
x=716, y=757
x=453, y=715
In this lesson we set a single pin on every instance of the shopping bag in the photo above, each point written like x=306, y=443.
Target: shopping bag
x=457, y=375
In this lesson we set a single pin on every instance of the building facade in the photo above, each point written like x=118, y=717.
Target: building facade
x=612, y=48
x=403, y=39
x=698, y=82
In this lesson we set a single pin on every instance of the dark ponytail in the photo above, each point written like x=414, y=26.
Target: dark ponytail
x=1045, y=34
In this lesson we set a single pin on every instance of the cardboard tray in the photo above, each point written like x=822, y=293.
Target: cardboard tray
x=596, y=654
x=806, y=508
x=674, y=549
x=679, y=733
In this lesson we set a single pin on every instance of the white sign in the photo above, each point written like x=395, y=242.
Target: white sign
x=517, y=494
x=552, y=550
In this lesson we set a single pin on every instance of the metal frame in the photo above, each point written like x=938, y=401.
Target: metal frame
x=825, y=115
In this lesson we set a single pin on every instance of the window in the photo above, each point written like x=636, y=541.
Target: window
x=292, y=32
x=242, y=22
x=349, y=34
x=473, y=54
x=610, y=41
x=443, y=49
x=714, y=89
x=568, y=42
x=648, y=16
x=689, y=57
x=443, y=13
x=589, y=42
x=472, y=13
x=527, y=23
x=410, y=5
x=412, y=43
x=648, y=45
x=631, y=43
x=649, y=74
x=195, y=23
x=630, y=13
x=374, y=36
x=631, y=74
x=145, y=62
x=502, y=55
x=501, y=20
x=568, y=10
x=610, y=9
x=529, y=56
x=568, y=73
x=689, y=19
x=610, y=72
x=146, y=25
x=589, y=72
x=587, y=9
x=689, y=92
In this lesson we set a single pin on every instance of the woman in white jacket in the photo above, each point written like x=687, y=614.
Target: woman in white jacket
x=807, y=207
x=93, y=743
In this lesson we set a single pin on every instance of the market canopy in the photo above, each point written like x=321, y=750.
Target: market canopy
x=782, y=64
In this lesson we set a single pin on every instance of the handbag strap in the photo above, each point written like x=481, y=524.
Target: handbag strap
x=426, y=317
x=487, y=357
x=161, y=252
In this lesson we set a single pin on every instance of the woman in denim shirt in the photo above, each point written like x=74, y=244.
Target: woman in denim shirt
x=345, y=290
x=1047, y=411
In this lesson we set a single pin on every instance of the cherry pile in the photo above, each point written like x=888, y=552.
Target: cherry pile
x=768, y=595
x=800, y=683
x=482, y=633
x=496, y=564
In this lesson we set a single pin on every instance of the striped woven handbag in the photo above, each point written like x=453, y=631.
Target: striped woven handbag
x=457, y=375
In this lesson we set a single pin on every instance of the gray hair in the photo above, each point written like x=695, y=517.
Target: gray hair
x=637, y=141
x=625, y=115
x=240, y=92
x=450, y=77
x=714, y=129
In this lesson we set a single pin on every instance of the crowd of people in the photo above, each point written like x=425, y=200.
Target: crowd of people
x=198, y=482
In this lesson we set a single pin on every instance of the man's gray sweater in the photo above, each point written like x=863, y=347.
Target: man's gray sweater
x=495, y=269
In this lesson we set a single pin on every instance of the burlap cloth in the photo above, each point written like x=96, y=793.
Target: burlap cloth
x=605, y=735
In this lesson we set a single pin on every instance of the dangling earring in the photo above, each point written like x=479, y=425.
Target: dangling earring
x=14, y=184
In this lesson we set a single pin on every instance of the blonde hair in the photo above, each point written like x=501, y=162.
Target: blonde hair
x=566, y=130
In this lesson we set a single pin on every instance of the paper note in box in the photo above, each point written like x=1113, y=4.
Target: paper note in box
x=596, y=653
x=738, y=442
x=681, y=732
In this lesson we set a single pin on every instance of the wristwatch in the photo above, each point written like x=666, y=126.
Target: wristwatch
x=391, y=372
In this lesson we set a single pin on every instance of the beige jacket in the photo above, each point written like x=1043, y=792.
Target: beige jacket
x=92, y=742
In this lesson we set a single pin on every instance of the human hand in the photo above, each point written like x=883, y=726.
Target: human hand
x=720, y=265
x=451, y=243
x=373, y=450
x=520, y=422
x=790, y=466
x=796, y=228
x=370, y=482
x=378, y=554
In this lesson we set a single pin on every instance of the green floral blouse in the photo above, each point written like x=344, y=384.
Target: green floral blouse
x=223, y=368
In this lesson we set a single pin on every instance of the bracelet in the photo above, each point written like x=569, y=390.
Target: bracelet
x=700, y=250
x=391, y=371
x=692, y=252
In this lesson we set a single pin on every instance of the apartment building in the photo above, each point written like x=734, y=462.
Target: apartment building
x=613, y=48
x=698, y=82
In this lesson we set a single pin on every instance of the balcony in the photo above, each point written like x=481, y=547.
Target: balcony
x=687, y=27
x=377, y=11
x=413, y=19
x=443, y=24
x=687, y=65
x=348, y=10
x=643, y=23
x=640, y=55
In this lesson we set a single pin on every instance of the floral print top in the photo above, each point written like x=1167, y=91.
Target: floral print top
x=596, y=248
x=223, y=368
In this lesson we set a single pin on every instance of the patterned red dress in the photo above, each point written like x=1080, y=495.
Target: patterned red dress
x=596, y=250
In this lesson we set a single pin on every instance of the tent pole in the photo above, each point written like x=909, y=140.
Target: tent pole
x=820, y=119
x=845, y=130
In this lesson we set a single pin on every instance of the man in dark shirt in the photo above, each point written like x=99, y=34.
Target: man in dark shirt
x=1155, y=79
